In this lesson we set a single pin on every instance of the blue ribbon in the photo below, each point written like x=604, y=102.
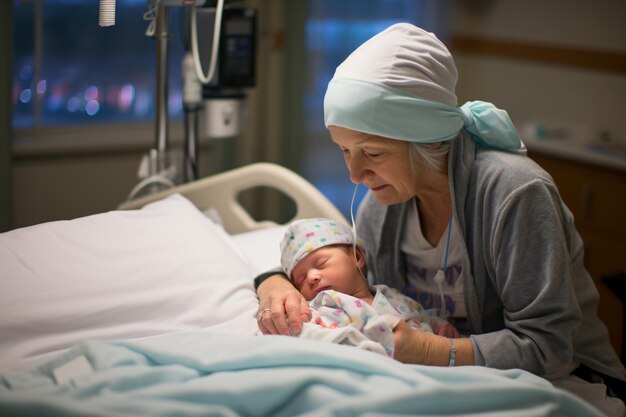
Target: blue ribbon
x=490, y=126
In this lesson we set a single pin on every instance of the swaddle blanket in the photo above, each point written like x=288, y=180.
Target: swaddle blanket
x=344, y=319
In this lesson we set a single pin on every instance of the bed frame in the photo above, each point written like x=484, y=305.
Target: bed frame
x=221, y=192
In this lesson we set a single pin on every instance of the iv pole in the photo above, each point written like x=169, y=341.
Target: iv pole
x=192, y=97
x=159, y=158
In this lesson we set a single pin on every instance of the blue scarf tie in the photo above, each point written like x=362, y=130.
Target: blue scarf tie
x=388, y=112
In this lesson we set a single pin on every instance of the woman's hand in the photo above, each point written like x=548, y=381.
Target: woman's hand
x=407, y=346
x=282, y=308
x=414, y=346
x=417, y=347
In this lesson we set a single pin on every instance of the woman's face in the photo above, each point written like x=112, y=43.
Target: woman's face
x=330, y=268
x=379, y=163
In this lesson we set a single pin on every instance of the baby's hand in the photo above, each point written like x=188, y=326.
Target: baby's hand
x=446, y=329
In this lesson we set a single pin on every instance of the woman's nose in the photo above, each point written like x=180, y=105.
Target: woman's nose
x=357, y=167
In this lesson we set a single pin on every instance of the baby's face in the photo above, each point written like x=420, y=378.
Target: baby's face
x=329, y=268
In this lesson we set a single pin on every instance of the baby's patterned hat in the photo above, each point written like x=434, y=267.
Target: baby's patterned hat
x=304, y=236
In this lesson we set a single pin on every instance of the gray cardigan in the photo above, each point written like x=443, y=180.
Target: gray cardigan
x=530, y=302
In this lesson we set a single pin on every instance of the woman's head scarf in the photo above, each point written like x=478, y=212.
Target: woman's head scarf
x=400, y=84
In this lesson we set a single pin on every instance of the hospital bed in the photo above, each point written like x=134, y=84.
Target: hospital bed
x=150, y=310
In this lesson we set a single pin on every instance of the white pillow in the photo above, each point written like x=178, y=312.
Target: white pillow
x=261, y=247
x=118, y=275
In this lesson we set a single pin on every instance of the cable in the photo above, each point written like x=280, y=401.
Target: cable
x=216, y=41
x=445, y=258
x=153, y=179
x=150, y=16
x=440, y=276
x=354, y=237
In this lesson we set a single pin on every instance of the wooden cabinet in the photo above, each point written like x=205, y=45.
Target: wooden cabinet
x=597, y=198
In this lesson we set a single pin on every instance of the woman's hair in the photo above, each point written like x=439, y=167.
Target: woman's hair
x=433, y=155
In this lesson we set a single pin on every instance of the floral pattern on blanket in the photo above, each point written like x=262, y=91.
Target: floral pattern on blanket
x=356, y=323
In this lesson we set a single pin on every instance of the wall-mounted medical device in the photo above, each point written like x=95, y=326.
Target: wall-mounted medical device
x=221, y=113
x=237, y=45
x=222, y=45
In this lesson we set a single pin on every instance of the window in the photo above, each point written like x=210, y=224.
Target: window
x=333, y=30
x=69, y=71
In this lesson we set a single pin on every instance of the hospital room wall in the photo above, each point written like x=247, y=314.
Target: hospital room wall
x=582, y=82
x=68, y=173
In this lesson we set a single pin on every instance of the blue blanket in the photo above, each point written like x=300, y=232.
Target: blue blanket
x=208, y=374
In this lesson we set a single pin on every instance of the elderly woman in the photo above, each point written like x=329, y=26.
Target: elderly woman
x=457, y=211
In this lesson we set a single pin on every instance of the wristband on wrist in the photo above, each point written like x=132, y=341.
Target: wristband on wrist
x=452, y=353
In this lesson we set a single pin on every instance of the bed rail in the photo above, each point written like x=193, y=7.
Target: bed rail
x=220, y=191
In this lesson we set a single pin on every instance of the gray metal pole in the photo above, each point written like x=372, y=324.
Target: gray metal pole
x=162, y=75
x=190, y=169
